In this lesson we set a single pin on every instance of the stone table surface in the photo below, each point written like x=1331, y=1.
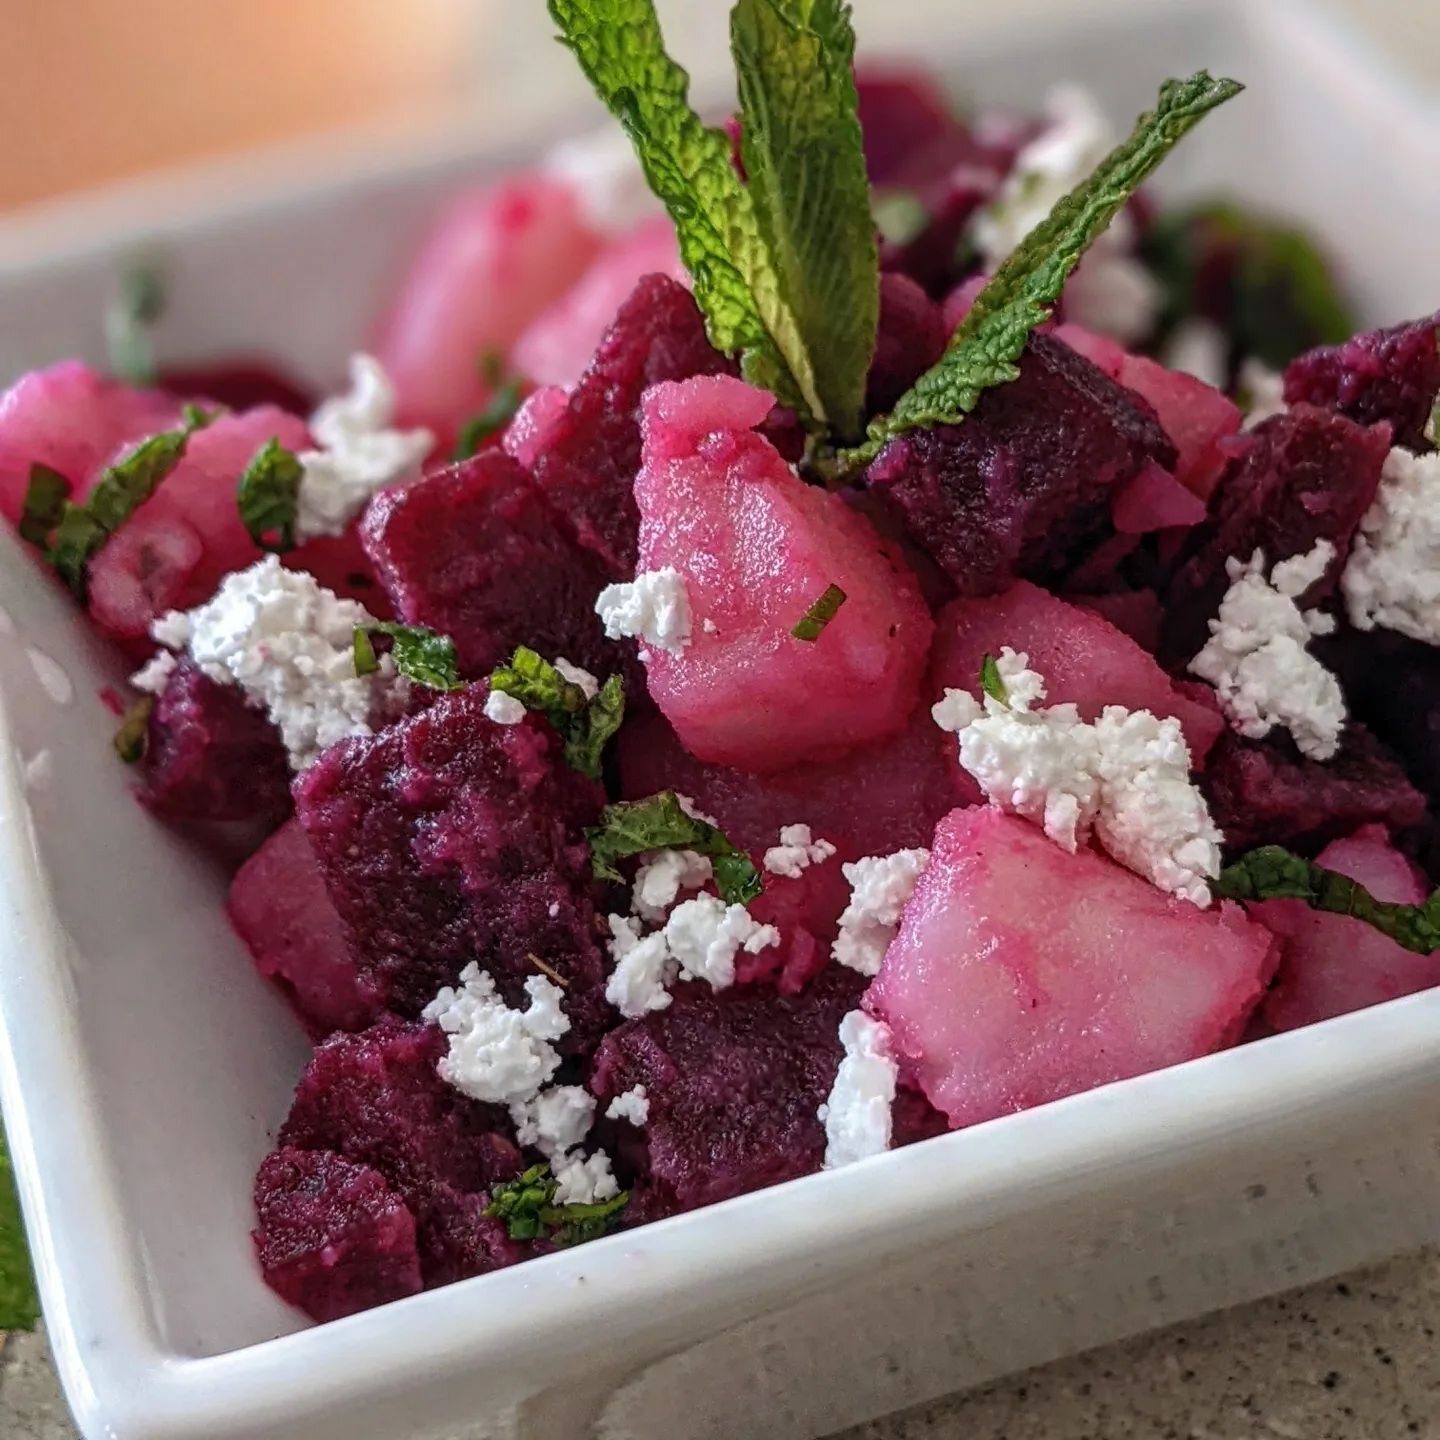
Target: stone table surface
x=1350, y=1359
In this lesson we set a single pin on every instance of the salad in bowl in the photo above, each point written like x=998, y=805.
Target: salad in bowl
x=797, y=636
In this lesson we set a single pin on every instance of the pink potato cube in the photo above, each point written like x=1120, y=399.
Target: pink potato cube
x=757, y=547
x=1022, y=974
x=1333, y=964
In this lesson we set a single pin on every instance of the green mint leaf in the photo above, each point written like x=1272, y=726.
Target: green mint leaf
x=819, y=615
x=986, y=348
x=19, y=1304
x=586, y=741
x=419, y=654
x=660, y=822
x=1274, y=873
x=268, y=495
x=991, y=682
x=688, y=166
x=497, y=413
x=120, y=491
x=900, y=216
x=807, y=183
x=129, y=320
x=585, y=725
x=130, y=739
x=527, y=1208
x=577, y=1224
x=45, y=498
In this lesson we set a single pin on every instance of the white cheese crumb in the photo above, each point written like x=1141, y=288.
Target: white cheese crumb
x=1392, y=578
x=709, y=626
x=797, y=850
x=288, y=643
x=632, y=1105
x=1111, y=291
x=580, y=1181
x=705, y=935
x=1258, y=660
x=504, y=709
x=662, y=876
x=1265, y=390
x=606, y=179
x=578, y=676
x=555, y=1121
x=655, y=606
x=857, y=1116
x=644, y=968
x=694, y=811
x=880, y=888
x=497, y=1054
x=1200, y=348
x=359, y=453
x=154, y=675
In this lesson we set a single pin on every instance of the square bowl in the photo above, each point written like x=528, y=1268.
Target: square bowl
x=144, y=1065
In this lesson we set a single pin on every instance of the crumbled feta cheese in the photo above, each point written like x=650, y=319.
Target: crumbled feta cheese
x=289, y=644
x=1392, y=578
x=154, y=675
x=644, y=968
x=1258, y=659
x=632, y=1105
x=662, y=876
x=709, y=626
x=705, y=935
x=857, y=1116
x=504, y=709
x=1200, y=348
x=655, y=606
x=1111, y=292
x=606, y=179
x=1263, y=390
x=880, y=888
x=581, y=1181
x=555, y=1121
x=497, y=1054
x=797, y=850
x=359, y=453
x=577, y=676
x=694, y=811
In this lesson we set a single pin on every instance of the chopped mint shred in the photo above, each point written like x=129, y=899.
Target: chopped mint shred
x=268, y=495
x=129, y=324
x=45, y=498
x=991, y=681
x=489, y=421
x=130, y=738
x=585, y=725
x=661, y=822
x=419, y=654
x=812, y=623
x=986, y=348
x=1274, y=873
x=529, y=1212
x=19, y=1303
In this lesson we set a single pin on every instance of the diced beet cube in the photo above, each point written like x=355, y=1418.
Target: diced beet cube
x=734, y=1081
x=1305, y=476
x=1264, y=792
x=587, y=470
x=913, y=1118
x=333, y=1238
x=1333, y=964
x=1084, y=659
x=1154, y=499
x=475, y=552
x=281, y=909
x=1023, y=486
x=448, y=839
x=911, y=130
x=1135, y=612
x=805, y=909
x=1393, y=685
x=558, y=344
x=911, y=338
x=757, y=547
x=1391, y=375
x=493, y=259
x=1022, y=973
x=210, y=756
x=239, y=383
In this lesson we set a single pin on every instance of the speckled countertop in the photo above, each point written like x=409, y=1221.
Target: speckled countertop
x=1352, y=1359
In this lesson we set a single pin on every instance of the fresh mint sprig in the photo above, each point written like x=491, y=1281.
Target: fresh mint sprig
x=986, y=348
x=268, y=496
x=992, y=683
x=528, y=1210
x=44, y=504
x=585, y=725
x=811, y=625
x=419, y=654
x=130, y=321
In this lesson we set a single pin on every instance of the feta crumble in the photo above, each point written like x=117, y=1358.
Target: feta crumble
x=880, y=888
x=857, y=1116
x=1200, y=348
x=584, y=1181
x=796, y=852
x=554, y=1121
x=662, y=876
x=655, y=606
x=1258, y=659
x=504, y=709
x=705, y=935
x=288, y=643
x=632, y=1105
x=154, y=675
x=359, y=452
x=1392, y=578
x=578, y=676
x=644, y=968
x=497, y=1054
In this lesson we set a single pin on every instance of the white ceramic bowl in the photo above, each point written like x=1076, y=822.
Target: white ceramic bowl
x=144, y=1066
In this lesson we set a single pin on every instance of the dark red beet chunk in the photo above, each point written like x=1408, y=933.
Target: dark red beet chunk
x=1305, y=476
x=281, y=909
x=1390, y=375
x=239, y=384
x=333, y=1238
x=1266, y=793
x=587, y=470
x=911, y=132
x=911, y=339
x=376, y=1098
x=209, y=756
x=475, y=552
x=448, y=839
x=734, y=1081
x=1022, y=487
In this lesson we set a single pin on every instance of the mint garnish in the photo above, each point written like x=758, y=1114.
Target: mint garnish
x=130, y=739
x=992, y=683
x=660, y=822
x=45, y=498
x=529, y=1212
x=129, y=319
x=268, y=495
x=19, y=1304
x=987, y=346
x=812, y=623
x=584, y=724
x=497, y=412
x=1274, y=873
x=419, y=654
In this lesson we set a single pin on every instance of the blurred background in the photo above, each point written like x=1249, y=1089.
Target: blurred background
x=95, y=90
